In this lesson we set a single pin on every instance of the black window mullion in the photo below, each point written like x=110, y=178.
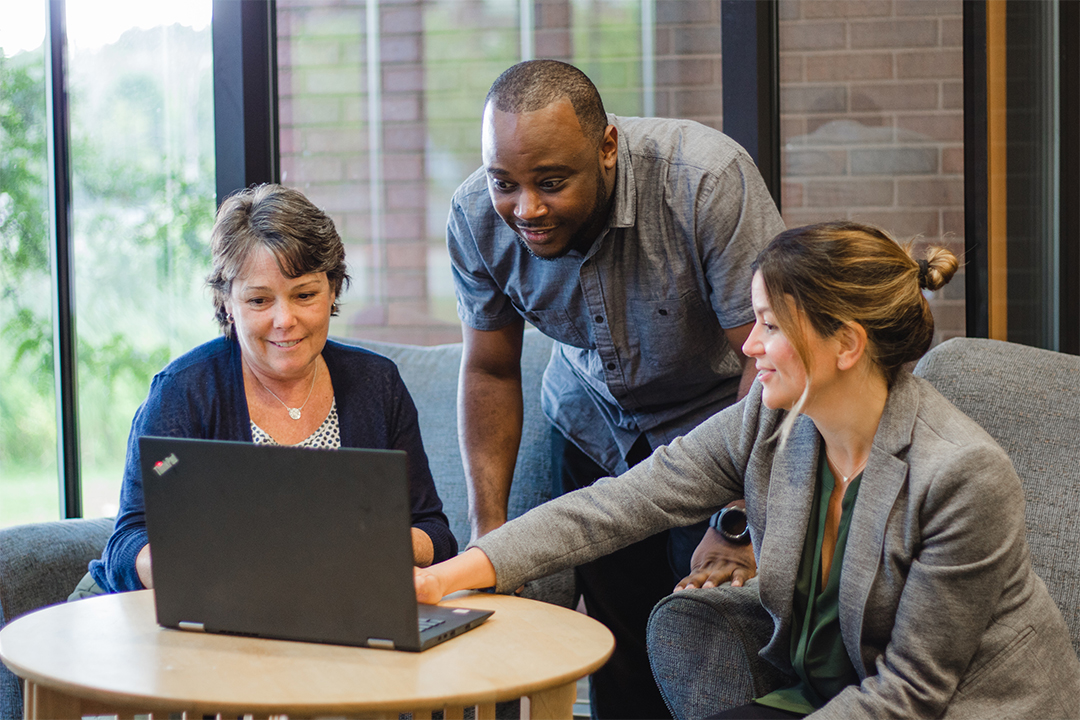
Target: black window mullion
x=245, y=94
x=65, y=361
x=1069, y=254
x=976, y=173
x=751, y=82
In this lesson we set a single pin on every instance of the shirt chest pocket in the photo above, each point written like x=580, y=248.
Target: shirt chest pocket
x=679, y=332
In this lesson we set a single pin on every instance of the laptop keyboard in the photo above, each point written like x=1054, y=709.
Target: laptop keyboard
x=428, y=623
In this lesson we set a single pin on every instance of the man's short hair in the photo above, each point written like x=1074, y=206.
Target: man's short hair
x=534, y=84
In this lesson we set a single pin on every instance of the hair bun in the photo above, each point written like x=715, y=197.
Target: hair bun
x=937, y=269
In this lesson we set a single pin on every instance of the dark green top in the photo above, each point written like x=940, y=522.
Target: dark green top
x=817, y=649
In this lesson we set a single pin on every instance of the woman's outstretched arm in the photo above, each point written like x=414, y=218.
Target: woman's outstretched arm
x=469, y=570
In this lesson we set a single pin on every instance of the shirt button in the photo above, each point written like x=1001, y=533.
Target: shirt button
x=662, y=311
x=599, y=318
x=611, y=366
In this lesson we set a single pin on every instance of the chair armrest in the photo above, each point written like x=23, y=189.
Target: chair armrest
x=703, y=647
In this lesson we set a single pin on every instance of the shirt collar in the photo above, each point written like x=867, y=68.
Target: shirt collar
x=624, y=209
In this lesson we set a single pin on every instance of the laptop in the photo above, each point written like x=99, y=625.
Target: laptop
x=287, y=543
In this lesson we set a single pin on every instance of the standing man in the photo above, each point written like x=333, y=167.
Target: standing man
x=629, y=241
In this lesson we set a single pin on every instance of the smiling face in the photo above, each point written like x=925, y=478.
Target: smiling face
x=782, y=373
x=281, y=323
x=547, y=181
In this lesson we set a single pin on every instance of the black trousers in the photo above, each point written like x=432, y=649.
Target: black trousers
x=621, y=590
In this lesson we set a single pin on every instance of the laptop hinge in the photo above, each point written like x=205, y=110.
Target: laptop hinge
x=381, y=643
x=197, y=627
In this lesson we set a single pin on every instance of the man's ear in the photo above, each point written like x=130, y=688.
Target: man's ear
x=852, y=340
x=609, y=147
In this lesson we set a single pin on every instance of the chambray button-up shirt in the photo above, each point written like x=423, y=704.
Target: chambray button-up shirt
x=638, y=320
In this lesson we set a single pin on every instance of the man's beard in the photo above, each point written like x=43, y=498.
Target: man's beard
x=586, y=235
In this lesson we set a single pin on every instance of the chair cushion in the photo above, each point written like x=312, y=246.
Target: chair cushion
x=1028, y=399
x=703, y=647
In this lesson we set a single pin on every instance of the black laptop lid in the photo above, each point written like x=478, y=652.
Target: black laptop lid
x=281, y=542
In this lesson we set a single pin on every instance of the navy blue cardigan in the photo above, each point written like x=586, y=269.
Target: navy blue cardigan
x=201, y=395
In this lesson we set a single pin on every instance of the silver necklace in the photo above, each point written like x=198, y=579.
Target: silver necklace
x=294, y=413
x=837, y=467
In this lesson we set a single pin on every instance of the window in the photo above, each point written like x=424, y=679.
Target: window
x=872, y=124
x=380, y=108
x=138, y=77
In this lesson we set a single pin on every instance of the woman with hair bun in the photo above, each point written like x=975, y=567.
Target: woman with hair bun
x=888, y=527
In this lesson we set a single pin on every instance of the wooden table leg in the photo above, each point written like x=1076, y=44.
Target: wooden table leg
x=41, y=703
x=485, y=711
x=556, y=703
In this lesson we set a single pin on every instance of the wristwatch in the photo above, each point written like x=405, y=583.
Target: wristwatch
x=731, y=523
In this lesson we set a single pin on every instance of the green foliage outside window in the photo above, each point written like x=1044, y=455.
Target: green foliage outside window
x=143, y=186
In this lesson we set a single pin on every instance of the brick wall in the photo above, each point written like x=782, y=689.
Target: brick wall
x=871, y=100
x=438, y=57
x=871, y=97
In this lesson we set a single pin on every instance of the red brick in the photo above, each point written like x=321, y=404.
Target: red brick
x=336, y=141
x=849, y=193
x=551, y=44
x=882, y=34
x=403, y=166
x=813, y=99
x=402, y=19
x=406, y=285
x=804, y=163
x=396, y=136
x=318, y=168
x=673, y=12
x=952, y=32
x=357, y=168
x=929, y=7
x=952, y=161
x=867, y=120
x=809, y=216
x=401, y=107
x=316, y=110
x=903, y=224
x=552, y=14
x=334, y=81
x=894, y=160
x=930, y=64
x=954, y=223
x=405, y=196
x=894, y=96
x=849, y=66
x=792, y=68
x=944, y=127
x=812, y=36
x=401, y=78
x=937, y=192
x=791, y=126
x=690, y=103
x=697, y=40
x=686, y=71
x=791, y=195
x=400, y=48
x=845, y=8
x=399, y=226
x=407, y=255
x=952, y=95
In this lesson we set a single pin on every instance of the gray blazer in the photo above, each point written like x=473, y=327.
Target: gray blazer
x=940, y=611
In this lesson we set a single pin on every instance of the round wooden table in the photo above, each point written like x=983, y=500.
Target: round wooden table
x=107, y=655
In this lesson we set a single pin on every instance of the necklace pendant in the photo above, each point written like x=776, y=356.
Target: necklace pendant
x=294, y=413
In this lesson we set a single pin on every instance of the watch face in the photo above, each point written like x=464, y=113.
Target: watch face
x=733, y=525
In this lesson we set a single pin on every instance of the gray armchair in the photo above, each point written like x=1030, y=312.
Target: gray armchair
x=703, y=644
